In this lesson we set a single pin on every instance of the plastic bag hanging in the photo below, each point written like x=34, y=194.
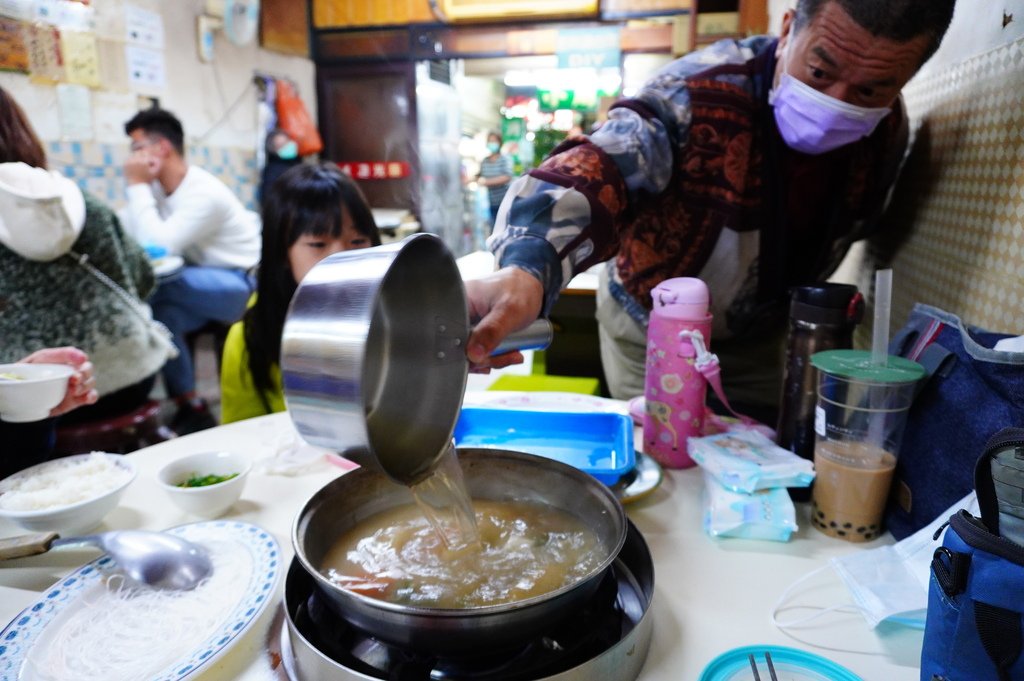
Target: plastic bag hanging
x=293, y=118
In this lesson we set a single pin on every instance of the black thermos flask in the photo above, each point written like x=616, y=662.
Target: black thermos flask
x=821, y=317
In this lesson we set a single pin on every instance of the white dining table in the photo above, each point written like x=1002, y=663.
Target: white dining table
x=711, y=595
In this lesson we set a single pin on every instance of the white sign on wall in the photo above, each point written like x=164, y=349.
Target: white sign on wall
x=22, y=10
x=145, y=69
x=143, y=27
x=74, y=105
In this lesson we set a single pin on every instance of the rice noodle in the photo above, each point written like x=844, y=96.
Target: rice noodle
x=129, y=632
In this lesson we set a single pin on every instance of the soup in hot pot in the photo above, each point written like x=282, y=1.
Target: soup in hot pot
x=525, y=550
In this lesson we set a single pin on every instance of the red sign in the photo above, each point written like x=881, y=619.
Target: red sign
x=375, y=170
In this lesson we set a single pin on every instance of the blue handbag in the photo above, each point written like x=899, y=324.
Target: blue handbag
x=971, y=392
x=973, y=630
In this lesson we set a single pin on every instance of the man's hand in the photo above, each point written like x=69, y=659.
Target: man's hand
x=81, y=385
x=139, y=168
x=503, y=302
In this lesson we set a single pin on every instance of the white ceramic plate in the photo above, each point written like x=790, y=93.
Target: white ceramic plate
x=643, y=480
x=167, y=265
x=26, y=637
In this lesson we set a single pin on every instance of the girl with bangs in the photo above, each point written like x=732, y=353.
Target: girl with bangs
x=310, y=212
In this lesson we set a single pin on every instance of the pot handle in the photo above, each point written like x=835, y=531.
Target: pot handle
x=536, y=336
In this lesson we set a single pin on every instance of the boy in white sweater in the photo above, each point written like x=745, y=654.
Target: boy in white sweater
x=192, y=214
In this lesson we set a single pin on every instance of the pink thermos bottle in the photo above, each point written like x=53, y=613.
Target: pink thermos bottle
x=674, y=389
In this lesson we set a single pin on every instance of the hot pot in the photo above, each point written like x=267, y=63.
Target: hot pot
x=373, y=366
x=490, y=475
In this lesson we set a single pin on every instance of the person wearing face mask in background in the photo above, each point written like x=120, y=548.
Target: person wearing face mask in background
x=282, y=154
x=189, y=212
x=495, y=173
x=752, y=164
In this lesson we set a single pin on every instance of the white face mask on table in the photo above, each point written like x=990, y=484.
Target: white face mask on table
x=888, y=583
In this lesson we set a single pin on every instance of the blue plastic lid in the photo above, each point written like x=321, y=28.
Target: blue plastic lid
x=154, y=251
x=790, y=665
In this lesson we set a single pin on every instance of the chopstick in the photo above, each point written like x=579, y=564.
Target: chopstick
x=753, y=667
x=771, y=667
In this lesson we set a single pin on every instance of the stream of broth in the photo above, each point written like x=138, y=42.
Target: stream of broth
x=444, y=500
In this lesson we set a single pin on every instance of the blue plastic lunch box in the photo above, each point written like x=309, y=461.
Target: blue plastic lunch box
x=600, y=444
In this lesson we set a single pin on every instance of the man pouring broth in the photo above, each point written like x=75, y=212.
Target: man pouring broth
x=752, y=164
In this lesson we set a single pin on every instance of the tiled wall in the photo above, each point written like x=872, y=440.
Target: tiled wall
x=959, y=204
x=99, y=168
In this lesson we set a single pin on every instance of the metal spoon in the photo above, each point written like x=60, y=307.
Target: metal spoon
x=157, y=559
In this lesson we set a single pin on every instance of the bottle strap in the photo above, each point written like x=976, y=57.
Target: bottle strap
x=707, y=364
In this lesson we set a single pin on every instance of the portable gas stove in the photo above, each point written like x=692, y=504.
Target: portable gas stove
x=608, y=639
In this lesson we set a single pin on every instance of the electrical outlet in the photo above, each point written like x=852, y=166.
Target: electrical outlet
x=206, y=26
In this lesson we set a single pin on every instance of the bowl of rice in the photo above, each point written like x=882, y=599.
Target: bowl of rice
x=29, y=391
x=70, y=495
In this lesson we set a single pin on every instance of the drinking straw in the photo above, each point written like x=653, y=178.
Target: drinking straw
x=880, y=336
x=879, y=357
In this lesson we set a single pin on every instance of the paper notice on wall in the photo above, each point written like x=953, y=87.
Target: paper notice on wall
x=110, y=21
x=47, y=11
x=13, y=53
x=74, y=108
x=143, y=27
x=81, y=59
x=111, y=110
x=17, y=9
x=145, y=69
x=64, y=14
x=113, y=64
x=45, y=64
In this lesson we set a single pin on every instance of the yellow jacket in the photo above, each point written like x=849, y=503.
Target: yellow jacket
x=239, y=397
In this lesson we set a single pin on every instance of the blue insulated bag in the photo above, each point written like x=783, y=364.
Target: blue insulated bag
x=973, y=630
x=972, y=391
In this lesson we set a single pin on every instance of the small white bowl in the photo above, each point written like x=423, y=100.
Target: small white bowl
x=29, y=391
x=208, y=501
x=69, y=519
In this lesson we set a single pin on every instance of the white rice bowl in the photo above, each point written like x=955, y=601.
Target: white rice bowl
x=70, y=495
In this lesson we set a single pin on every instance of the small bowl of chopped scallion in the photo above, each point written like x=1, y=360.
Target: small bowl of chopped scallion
x=205, y=484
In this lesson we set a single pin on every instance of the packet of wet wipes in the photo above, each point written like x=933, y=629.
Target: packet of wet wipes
x=765, y=514
x=746, y=461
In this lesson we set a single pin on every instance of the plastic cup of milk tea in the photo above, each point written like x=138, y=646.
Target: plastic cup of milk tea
x=859, y=419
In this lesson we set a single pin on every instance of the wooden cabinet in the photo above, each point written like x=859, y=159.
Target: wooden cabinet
x=284, y=27
x=611, y=9
x=335, y=14
x=718, y=19
x=506, y=10
x=356, y=13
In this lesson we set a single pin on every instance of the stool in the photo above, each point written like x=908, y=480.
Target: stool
x=219, y=331
x=118, y=434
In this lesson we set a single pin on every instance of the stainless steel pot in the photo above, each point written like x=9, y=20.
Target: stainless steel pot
x=491, y=475
x=373, y=354
x=307, y=652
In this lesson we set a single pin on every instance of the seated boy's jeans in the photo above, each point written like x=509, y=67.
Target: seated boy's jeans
x=190, y=300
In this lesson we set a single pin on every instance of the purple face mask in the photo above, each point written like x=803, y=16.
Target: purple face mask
x=813, y=123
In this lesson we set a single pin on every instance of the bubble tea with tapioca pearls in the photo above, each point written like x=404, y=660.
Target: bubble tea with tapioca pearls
x=859, y=419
